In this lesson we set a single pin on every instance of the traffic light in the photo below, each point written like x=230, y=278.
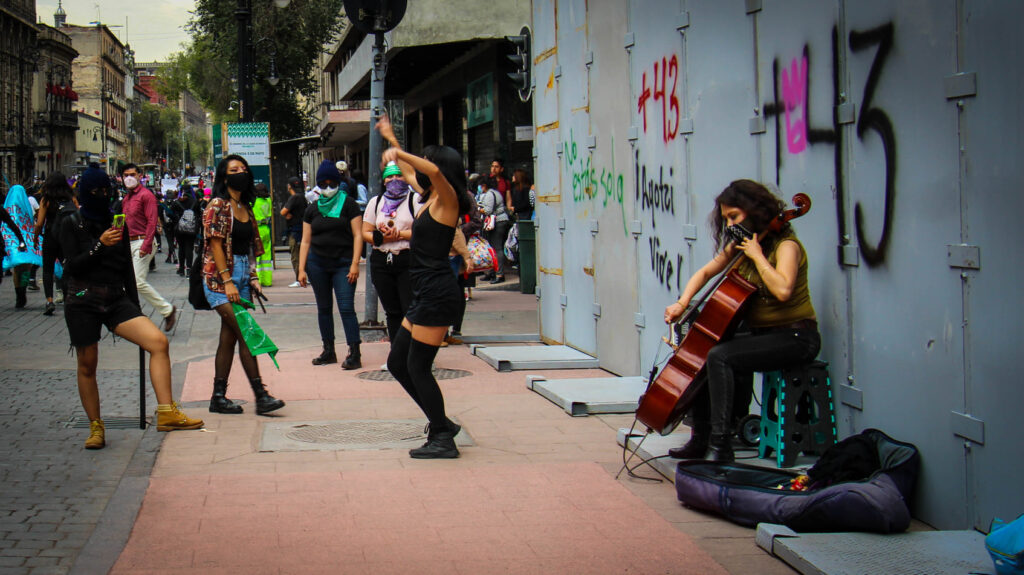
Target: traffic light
x=521, y=59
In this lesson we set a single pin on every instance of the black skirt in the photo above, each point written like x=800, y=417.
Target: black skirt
x=435, y=298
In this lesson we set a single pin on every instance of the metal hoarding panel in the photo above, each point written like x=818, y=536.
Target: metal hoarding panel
x=547, y=169
x=908, y=346
x=994, y=203
x=578, y=178
x=615, y=263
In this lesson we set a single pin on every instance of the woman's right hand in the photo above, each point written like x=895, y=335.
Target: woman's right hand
x=674, y=312
x=231, y=291
x=302, y=278
x=386, y=131
x=111, y=236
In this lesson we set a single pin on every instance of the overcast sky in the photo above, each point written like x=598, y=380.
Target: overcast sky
x=155, y=29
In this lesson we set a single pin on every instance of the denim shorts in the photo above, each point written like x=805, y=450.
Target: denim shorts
x=240, y=273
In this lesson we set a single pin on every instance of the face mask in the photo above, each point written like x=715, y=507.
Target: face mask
x=238, y=181
x=328, y=192
x=131, y=182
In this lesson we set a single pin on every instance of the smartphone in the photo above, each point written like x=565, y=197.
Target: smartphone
x=119, y=221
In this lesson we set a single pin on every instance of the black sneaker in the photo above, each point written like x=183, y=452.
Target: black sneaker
x=50, y=308
x=498, y=280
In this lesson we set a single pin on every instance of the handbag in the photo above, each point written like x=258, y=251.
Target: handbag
x=489, y=223
x=196, y=295
x=482, y=255
x=1005, y=544
x=512, y=244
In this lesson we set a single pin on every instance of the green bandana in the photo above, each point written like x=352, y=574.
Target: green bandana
x=331, y=207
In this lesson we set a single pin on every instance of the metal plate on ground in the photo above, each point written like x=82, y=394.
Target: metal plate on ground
x=439, y=373
x=346, y=435
x=586, y=396
x=520, y=357
x=918, y=553
x=109, y=422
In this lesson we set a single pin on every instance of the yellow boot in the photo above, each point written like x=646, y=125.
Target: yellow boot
x=170, y=418
x=96, y=435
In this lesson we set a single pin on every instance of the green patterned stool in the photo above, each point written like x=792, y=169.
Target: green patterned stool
x=797, y=413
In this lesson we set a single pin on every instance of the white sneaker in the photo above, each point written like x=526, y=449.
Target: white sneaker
x=295, y=284
x=58, y=297
x=384, y=367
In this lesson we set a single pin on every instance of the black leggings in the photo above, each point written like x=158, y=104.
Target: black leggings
x=393, y=287
x=49, y=257
x=411, y=362
x=186, y=243
x=730, y=366
x=230, y=334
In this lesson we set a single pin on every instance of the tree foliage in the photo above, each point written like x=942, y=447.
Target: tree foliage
x=159, y=128
x=292, y=37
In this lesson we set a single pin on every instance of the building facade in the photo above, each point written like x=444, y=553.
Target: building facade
x=54, y=101
x=446, y=84
x=101, y=82
x=18, y=57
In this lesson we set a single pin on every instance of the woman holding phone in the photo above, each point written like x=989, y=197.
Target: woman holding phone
x=229, y=275
x=100, y=280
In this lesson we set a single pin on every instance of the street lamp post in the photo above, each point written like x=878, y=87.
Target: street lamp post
x=243, y=13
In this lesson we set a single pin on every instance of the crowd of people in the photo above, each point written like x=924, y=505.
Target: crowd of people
x=101, y=245
x=96, y=236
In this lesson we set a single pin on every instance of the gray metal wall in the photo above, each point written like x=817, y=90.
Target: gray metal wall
x=901, y=120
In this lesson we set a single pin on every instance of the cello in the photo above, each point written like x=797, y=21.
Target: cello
x=712, y=319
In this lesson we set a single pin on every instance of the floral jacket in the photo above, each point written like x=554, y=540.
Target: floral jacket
x=217, y=221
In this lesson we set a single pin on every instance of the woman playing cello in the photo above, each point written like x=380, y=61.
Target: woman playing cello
x=783, y=329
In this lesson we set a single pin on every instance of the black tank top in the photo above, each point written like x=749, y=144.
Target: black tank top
x=431, y=241
x=241, y=237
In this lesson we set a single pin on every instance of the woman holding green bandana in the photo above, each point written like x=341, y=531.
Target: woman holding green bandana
x=329, y=260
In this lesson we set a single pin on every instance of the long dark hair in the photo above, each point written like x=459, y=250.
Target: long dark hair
x=220, y=184
x=757, y=202
x=449, y=161
x=56, y=191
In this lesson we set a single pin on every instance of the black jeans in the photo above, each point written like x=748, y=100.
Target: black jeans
x=49, y=257
x=391, y=280
x=730, y=368
x=186, y=244
x=496, y=238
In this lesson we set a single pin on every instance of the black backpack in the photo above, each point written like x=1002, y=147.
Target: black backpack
x=196, y=294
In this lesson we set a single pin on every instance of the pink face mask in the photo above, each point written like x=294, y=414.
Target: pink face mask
x=131, y=182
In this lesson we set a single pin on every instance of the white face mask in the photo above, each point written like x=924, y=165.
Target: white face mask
x=328, y=192
x=131, y=182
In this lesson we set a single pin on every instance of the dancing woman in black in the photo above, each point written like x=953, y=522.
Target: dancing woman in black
x=436, y=296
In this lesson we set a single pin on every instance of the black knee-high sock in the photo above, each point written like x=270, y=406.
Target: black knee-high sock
x=421, y=360
x=398, y=363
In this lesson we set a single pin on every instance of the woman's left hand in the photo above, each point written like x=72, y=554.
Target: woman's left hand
x=752, y=248
x=353, y=273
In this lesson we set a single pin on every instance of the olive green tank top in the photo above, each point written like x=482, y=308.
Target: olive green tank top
x=765, y=309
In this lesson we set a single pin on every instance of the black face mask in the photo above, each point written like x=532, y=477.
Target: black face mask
x=238, y=181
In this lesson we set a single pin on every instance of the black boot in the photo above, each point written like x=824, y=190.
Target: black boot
x=20, y=299
x=265, y=403
x=219, y=403
x=720, y=448
x=697, y=446
x=353, y=360
x=440, y=444
x=327, y=355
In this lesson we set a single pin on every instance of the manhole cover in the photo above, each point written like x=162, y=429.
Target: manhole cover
x=109, y=422
x=357, y=432
x=385, y=375
x=347, y=435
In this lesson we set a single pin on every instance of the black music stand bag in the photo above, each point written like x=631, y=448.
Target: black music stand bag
x=748, y=495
